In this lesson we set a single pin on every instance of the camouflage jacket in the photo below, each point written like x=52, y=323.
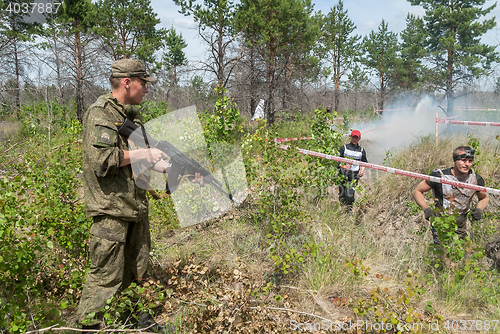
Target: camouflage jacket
x=109, y=188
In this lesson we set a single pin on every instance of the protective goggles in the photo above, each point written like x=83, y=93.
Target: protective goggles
x=469, y=154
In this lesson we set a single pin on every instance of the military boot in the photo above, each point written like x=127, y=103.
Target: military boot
x=146, y=321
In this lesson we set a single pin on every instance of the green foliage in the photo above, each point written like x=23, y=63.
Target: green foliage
x=162, y=215
x=413, y=207
x=285, y=259
x=174, y=56
x=280, y=178
x=338, y=44
x=356, y=80
x=323, y=172
x=128, y=28
x=78, y=14
x=379, y=49
x=388, y=157
x=224, y=125
x=124, y=309
x=288, y=261
x=153, y=109
x=284, y=33
x=276, y=175
x=461, y=262
x=450, y=244
x=454, y=31
x=393, y=309
x=475, y=145
x=37, y=117
x=409, y=68
x=43, y=234
x=216, y=21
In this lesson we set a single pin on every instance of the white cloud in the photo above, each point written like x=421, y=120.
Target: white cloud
x=184, y=22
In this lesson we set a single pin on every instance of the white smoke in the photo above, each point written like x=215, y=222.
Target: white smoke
x=399, y=127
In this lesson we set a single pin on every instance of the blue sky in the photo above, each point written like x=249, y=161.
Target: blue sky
x=366, y=15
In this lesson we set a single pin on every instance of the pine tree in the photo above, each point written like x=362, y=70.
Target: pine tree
x=339, y=44
x=457, y=54
x=410, y=71
x=128, y=29
x=380, y=51
x=215, y=20
x=78, y=17
x=283, y=34
x=173, y=58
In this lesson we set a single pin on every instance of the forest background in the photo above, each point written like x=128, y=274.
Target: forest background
x=275, y=253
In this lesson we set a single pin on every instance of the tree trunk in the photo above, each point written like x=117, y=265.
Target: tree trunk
x=451, y=102
x=336, y=99
x=336, y=77
x=79, y=78
x=17, y=87
x=270, y=99
x=270, y=78
x=58, y=72
x=220, y=61
x=382, y=95
x=449, y=85
x=253, y=99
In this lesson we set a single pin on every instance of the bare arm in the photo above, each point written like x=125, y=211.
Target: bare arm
x=483, y=198
x=151, y=155
x=418, y=194
x=162, y=167
x=361, y=171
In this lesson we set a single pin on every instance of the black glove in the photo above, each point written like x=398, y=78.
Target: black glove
x=476, y=213
x=428, y=212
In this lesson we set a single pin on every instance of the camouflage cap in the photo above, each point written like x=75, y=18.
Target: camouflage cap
x=128, y=68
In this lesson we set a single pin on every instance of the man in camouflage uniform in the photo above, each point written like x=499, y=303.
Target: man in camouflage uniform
x=120, y=244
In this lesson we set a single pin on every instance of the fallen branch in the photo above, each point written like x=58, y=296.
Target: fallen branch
x=174, y=243
x=54, y=328
x=19, y=142
x=268, y=308
x=290, y=310
x=76, y=141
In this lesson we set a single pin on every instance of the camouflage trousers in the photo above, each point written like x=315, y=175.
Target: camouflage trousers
x=115, y=263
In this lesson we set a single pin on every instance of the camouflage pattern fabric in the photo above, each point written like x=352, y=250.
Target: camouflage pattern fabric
x=109, y=188
x=128, y=68
x=114, y=264
x=120, y=242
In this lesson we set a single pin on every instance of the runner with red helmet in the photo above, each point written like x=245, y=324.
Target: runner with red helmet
x=351, y=173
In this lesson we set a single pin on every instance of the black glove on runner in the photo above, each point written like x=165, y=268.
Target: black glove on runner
x=428, y=212
x=476, y=213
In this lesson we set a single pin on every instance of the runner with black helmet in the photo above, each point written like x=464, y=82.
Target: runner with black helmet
x=452, y=197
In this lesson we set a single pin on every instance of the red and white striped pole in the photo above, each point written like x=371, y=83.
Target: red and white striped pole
x=441, y=120
x=397, y=171
x=280, y=140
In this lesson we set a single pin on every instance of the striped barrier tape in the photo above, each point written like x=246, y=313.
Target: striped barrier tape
x=380, y=127
x=441, y=120
x=397, y=171
x=474, y=108
x=394, y=109
x=280, y=140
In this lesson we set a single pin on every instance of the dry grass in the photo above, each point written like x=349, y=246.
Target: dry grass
x=386, y=231
x=8, y=129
